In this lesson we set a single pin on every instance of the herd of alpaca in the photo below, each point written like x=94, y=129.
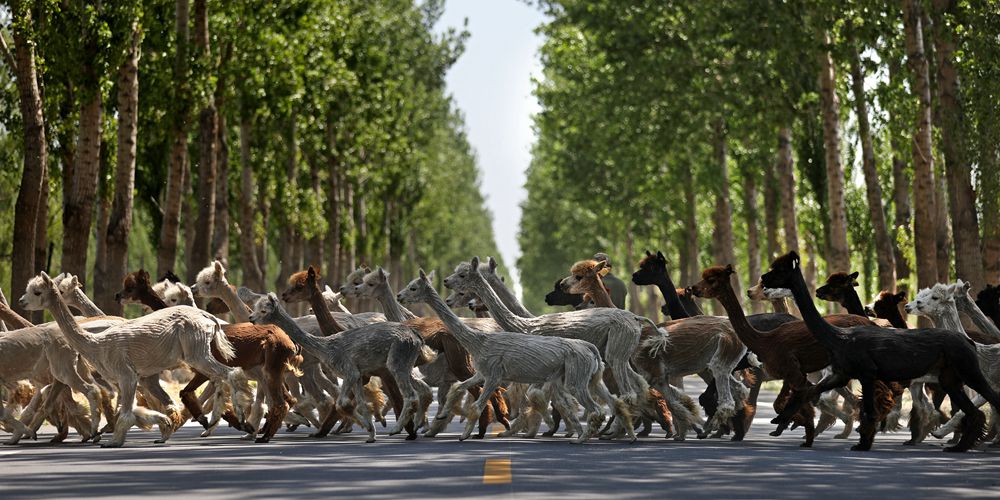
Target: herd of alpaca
x=333, y=369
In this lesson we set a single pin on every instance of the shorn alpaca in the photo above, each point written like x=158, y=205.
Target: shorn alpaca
x=455, y=364
x=355, y=353
x=870, y=353
x=265, y=353
x=125, y=353
x=939, y=304
x=789, y=352
x=563, y=365
x=613, y=330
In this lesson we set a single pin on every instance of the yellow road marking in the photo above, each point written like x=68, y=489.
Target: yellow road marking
x=496, y=471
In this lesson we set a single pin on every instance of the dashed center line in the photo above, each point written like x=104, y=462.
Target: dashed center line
x=496, y=471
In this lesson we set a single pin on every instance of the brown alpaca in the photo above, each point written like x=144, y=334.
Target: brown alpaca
x=788, y=352
x=262, y=350
x=886, y=307
x=306, y=284
x=839, y=288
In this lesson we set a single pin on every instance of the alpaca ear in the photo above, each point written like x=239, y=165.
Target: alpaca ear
x=475, y=263
x=218, y=267
x=423, y=275
x=45, y=278
x=854, y=275
x=648, y=254
x=659, y=255
x=600, y=266
x=311, y=272
x=430, y=275
x=75, y=281
x=729, y=269
x=901, y=296
x=381, y=272
x=493, y=264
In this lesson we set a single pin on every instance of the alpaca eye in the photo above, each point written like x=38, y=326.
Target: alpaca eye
x=38, y=293
x=461, y=275
x=371, y=284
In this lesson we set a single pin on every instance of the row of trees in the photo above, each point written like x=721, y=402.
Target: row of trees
x=862, y=133
x=272, y=135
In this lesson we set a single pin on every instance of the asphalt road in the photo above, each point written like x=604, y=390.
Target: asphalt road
x=294, y=465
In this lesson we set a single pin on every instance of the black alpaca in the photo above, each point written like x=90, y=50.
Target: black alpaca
x=870, y=353
x=988, y=300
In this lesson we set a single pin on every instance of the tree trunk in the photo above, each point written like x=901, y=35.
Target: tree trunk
x=120, y=223
x=100, y=286
x=333, y=271
x=883, y=242
x=633, y=290
x=208, y=121
x=772, y=205
x=923, y=160
x=289, y=236
x=989, y=169
x=253, y=277
x=722, y=236
x=753, y=237
x=941, y=230
x=80, y=190
x=689, y=260
x=786, y=178
x=220, y=234
x=951, y=121
x=315, y=245
x=173, y=198
x=839, y=257
x=349, y=254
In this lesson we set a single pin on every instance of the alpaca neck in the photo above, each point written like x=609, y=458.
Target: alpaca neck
x=946, y=317
x=824, y=332
x=470, y=340
x=151, y=300
x=507, y=297
x=75, y=336
x=235, y=305
x=84, y=304
x=892, y=315
x=599, y=294
x=309, y=343
x=394, y=311
x=503, y=316
x=970, y=309
x=779, y=305
x=852, y=302
x=327, y=323
x=747, y=333
x=669, y=292
x=12, y=319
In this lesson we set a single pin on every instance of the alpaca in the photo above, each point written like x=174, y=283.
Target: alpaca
x=353, y=280
x=559, y=297
x=756, y=292
x=303, y=286
x=564, y=365
x=125, y=353
x=886, y=306
x=265, y=353
x=869, y=353
x=333, y=300
x=457, y=299
x=614, y=330
x=653, y=271
x=455, y=363
x=939, y=303
x=988, y=301
x=368, y=350
x=43, y=355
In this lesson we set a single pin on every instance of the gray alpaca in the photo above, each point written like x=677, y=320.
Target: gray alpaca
x=356, y=353
x=563, y=365
x=615, y=332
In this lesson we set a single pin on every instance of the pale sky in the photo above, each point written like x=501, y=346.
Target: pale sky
x=491, y=84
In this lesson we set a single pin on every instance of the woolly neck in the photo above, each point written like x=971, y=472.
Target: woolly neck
x=825, y=333
x=503, y=316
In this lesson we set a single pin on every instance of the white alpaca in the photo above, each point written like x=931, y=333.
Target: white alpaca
x=333, y=299
x=563, y=365
x=143, y=347
x=940, y=304
x=614, y=331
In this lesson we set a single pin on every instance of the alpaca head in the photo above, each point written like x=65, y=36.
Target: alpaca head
x=210, y=281
x=372, y=283
x=266, y=309
x=652, y=269
x=331, y=298
x=714, y=281
x=354, y=279
x=988, y=299
x=933, y=302
x=458, y=300
x=67, y=284
x=301, y=285
x=784, y=270
x=756, y=292
x=887, y=304
x=41, y=293
x=178, y=294
x=460, y=280
x=419, y=290
x=134, y=286
x=583, y=276
x=558, y=297
x=838, y=287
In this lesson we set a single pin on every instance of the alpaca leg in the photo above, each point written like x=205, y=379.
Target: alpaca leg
x=721, y=373
x=165, y=403
x=453, y=402
x=145, y=418
x=619, y=410
x=561, y=400
x=66, y=372
x=127, y=385
x=867, y=428
x=190, y=401
x=411, y=404
x=45, y=403
x=684, y=411
x=489, y=387
x=921, y=414
x=954, y=423
x=353, y=387
x=277, y=404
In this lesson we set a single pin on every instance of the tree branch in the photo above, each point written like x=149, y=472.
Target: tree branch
x=8, y=57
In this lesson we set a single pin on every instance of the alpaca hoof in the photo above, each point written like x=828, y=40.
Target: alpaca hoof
x=478, y=436
x=411, y=437
x=60, y=438
x=262, y=440
x=203, y=421
x=909, y=442
x=736, y=438
x=953, y=440
x=643, y=434
x=955, y=449
x=805, y=445
x=159, y=441
x=370, y=440
x=548, y=433
x=248, y=436
x=775, y=433
x=861, y=447
x=776, y=420
x=291, y=427
x=567, y=435
x=111, y=445
x=938, y=435
x=96, y=439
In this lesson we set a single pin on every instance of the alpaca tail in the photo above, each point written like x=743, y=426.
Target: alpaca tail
x=292, y=365
x=754, y=362
x=427, y=355
x=220, y=341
